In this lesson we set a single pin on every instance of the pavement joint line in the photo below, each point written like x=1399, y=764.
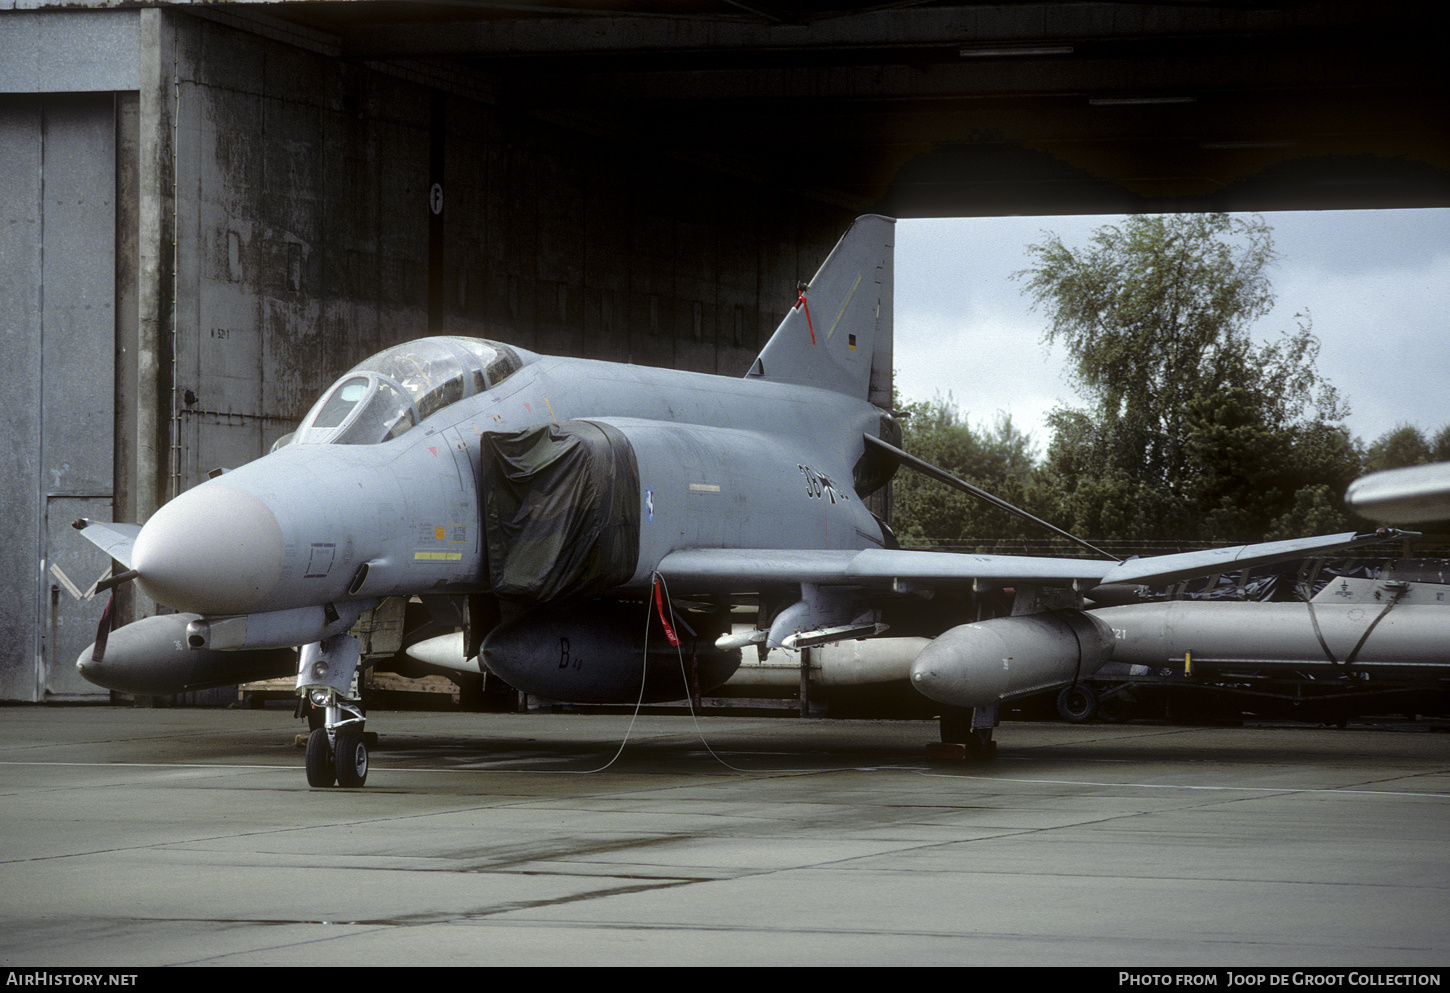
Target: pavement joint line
x=585, y=924
x=1179, y=786
x=916, y=769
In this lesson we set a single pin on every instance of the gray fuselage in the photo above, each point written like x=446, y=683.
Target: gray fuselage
x=322, y=523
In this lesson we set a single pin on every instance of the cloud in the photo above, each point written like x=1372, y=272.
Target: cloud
x=1386, y=339
x=990, y=362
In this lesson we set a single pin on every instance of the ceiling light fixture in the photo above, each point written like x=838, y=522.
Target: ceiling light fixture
x=980, y=53
x=1135, y=101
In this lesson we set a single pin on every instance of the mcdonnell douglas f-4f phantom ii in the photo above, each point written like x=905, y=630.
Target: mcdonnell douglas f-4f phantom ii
x=555, y=503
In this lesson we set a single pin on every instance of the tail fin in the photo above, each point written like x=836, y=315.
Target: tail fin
x=838, y=335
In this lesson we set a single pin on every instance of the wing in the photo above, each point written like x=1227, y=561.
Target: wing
x=751, y=569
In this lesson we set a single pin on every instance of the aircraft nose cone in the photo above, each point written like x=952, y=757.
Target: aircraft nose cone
x=213, y=550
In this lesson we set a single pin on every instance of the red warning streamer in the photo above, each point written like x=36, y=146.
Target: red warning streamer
x=802, y=303
x=660, y=606
x=103, y=632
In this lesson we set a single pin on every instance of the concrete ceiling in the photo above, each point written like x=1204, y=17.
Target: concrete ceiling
x=957, y=108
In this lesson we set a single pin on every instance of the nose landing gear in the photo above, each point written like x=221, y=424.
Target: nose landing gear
x=337, y=752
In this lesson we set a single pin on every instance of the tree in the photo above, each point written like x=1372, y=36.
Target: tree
x=1440, y=447
x=1193, y=427
x=1000, y=460
x=1090, y=498
x=1251, y=479
x=1405, y=445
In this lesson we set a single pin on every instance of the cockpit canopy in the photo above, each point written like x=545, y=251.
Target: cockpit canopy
x=384, y=396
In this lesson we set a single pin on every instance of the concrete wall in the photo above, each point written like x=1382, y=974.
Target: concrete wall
x=303, y=185
x=269, y=224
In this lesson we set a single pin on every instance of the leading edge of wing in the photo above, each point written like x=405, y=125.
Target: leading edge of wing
x=741, y=569
x=1160, y=569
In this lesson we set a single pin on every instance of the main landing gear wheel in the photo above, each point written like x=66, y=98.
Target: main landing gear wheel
x=352, y=756
x=1077, y=703
x=956, y=728
x=320, y=769
x=980, y=746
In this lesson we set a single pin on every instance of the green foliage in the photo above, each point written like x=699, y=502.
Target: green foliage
x=1440, y=447
x=1238, y=465
x=1153, y=312
x=1250, y=478
x=1316, y=510
x=1000, y=460
x=1405, y=445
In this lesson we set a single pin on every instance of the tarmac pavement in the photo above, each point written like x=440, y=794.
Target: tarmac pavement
x=134, y=837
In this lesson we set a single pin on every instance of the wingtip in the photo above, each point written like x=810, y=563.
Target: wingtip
x=1387, y=534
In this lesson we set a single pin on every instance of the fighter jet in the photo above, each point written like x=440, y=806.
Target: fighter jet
x=591, y=525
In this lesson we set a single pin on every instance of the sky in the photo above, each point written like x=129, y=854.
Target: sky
x=1376, y=284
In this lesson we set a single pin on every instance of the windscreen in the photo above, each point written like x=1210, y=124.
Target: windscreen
x=393, y=391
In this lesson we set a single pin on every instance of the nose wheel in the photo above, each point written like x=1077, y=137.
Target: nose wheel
x=343, y=761
x=350, y=756
x=320, y=768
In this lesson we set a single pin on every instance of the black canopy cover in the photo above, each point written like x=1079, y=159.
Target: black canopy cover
x=560, y=511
